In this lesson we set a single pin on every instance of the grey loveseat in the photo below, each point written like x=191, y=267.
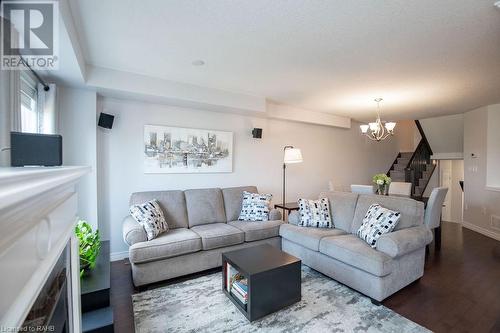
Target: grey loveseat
x=203, y=223
x=397, y=261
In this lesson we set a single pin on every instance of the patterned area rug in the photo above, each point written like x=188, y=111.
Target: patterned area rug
x=199, y=305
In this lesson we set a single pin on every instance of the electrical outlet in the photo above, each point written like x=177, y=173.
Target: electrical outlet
x=495, y=222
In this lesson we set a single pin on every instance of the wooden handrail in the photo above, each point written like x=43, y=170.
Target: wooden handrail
x=413, y=155
x=392, y=165
x=422, y=134
x=430, y=176
x=420, y=157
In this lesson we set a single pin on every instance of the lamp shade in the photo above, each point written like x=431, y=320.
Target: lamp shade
x=390, y=126
x=364, y=128
x=374, y=126
x=292, y=155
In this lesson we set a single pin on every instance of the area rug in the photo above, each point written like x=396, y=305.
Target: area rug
x=199, y=305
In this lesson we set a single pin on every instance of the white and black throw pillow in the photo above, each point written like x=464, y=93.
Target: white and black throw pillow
x=315, y=213
x=377, y=221
x=255, y=207
x=150, y=216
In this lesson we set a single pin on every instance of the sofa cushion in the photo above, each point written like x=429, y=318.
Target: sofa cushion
x=342, y=207
x=307, y=237
x=205, y=206
x=216, y=235
x=173, y=243
x=259, y=229
x=412, y=211
x=233, y=197
x=172, y=203
x=355, y=252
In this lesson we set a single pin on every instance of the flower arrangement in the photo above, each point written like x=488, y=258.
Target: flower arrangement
x=382, y=181
x=89, y=245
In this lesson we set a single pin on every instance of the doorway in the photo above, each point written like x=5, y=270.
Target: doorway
x=451, y=172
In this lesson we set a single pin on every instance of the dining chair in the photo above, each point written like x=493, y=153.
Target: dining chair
x=432, y=216
x=400, y=188
x=362, y=189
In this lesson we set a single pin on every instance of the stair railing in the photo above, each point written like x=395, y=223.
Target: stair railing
x=418, y=161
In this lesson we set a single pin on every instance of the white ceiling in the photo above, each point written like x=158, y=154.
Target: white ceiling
x=423, y=57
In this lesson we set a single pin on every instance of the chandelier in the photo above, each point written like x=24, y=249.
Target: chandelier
x=378, y=130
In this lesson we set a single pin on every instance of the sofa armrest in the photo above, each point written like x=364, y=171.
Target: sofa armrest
x=133, y=232
x=275, y=214
x=294, y=218
x=401, y=242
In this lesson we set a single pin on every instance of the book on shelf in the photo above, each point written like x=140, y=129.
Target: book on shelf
x=232, y=276
x=242, y=289
x=241, y=285
x=239, y=292
x=239, y=297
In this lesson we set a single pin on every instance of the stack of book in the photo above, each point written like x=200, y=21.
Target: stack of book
x=240, y=290
x=236, y=285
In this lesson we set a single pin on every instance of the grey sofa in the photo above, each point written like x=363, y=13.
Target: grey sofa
x=397, y=261
x=203, y=223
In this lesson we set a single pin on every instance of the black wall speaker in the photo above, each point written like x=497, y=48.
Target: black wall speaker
x=257, y=133
x=35, y=149
x=106, y=120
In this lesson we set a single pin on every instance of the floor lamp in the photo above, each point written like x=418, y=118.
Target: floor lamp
x=290, y=155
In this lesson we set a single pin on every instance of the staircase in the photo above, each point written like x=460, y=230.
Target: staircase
x=414, y=167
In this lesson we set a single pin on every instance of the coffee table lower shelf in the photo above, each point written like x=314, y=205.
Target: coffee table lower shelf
x=272, y=287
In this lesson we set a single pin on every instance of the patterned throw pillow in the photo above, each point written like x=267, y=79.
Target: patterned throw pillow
x=315, y=213
x=255, y=207
x=150, y=216
x=377, y=221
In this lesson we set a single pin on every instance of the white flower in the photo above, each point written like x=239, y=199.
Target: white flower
x=380, y=181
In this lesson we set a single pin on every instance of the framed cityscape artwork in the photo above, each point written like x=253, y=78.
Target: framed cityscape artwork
x=187, y=150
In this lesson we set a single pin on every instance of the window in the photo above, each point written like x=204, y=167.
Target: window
x=30, y=116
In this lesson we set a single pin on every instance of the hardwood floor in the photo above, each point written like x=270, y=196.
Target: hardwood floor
x=459, y=292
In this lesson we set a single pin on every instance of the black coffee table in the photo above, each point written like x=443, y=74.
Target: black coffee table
x=273, y=276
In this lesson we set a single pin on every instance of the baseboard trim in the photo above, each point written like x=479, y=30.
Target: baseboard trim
x=115, y=256
x=481, y=230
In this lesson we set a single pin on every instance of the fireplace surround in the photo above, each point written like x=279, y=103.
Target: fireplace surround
x=40, y=282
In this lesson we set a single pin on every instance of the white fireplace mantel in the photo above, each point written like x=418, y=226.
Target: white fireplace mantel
x=38, y=212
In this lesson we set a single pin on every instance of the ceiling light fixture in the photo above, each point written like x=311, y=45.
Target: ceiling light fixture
x=378, y=131
x=198, y=63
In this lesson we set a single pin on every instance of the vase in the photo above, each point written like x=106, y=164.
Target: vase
x=381, y=190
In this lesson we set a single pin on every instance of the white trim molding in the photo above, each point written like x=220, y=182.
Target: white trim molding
x=481, y=230
x=115, y=256
x=492, y=188
x=448, y=156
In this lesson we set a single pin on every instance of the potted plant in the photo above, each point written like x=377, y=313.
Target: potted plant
x=382, y=181
x=89, y=245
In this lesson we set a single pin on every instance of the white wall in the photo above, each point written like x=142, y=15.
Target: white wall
x=480, y=203
x=409, y=137
x=342, y=155
x=493, y=148
x=454, y=198
x=445, y=135
x=457, y=174
x=77, y=122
